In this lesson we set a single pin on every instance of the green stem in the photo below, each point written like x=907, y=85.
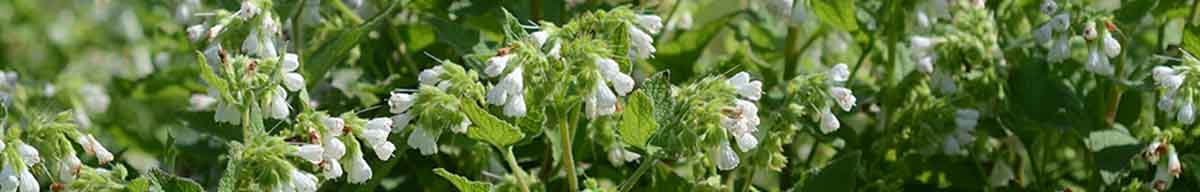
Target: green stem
x=637, y=175
x=516, y=169
x=567, y=157
x=346, y=11
x=749, y=178
x=1195, y=9
x=862, y=58
x=790, y=55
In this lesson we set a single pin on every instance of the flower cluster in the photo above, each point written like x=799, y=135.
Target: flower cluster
x=963, y=134
x=741, y=120
x=1055, y=31
x=1168, y=167
x=842, y=97
x=1175, y=98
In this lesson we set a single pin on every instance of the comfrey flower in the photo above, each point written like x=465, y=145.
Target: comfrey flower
x=839, y=73
x=741, y=122
x=277, y=105
x=431, y=76
x=92, y=147
x=29, y=155
x=300, y=182
x=95, y=100
x=752, y=90
x=829, y=122
x=400, y=102
x=376, y=134
x=965, y=121
x=496, y=65
x=922, y=50
x=1100, y=51
x=1186, y=114
x=641, y=44
x=423, y=140
x=359, y=170
x=726, y=158
x=291, y=79
x=603, y=101
x=510, y=92
x=651, y=23
x=843, y=97
x=1060, y=48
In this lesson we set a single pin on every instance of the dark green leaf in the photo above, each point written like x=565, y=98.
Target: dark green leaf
x=838, y=176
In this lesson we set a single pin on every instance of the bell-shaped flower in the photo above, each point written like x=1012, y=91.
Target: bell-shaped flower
x=606, y=65
x=496, y=65
x=201, y=102
x=69, y=167
x=400, y=121
x=966, y=118
x=621, y=82
x=423, y=140
x=9, y=179
x=1166, y=103
x=359, y=170
x=431, y=76
x=844, y=97
x=554, y=50
x=93, y=147
x=606, y=101
x=196, y=32
x=1186, y=114
x=652, y=23
x=839, y=72
x=277, y=107
x=29, y=155
x=745, y=87
x=1089, y=31
x=248, y=10
x=1060, y=50
x=1044, y=32
x=746, y=141
x=293, y=81
x=1160, y=73
x=312, y=152
x=829, y=122
x=331, y=169
x=332, y=149
x=925, y=64
x=515, y=107
x=384, y=124
x=1001, y=174
x=374, y=136
x=922, y=44
x=641, y=43
x=1153, y=151
x=618, y=156
x=462, y=126
x=1098, y=63
x=1062, y=22
x=1162, y=178
x=29, y=183
x=303, y=182
x=726, y=158
x=334, y=126
x=1112, y=47
x=540, y=38
x=400, y=102
x=291, y=62
x=1173, y=165
x=384, y=150
x=228, y=113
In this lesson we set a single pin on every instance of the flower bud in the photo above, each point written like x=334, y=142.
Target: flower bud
x=1173, y=165
x=291, y=62
x=384, y=124
x=515, y=106
x=9, y=179
x=1089, y=31
x=1062, y=22
x=29, y=183
x=384, y=150
x=745, y=87
x=621, y=82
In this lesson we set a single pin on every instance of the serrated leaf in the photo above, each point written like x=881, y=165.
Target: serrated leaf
x=838, y=176
x=637, y=123
x=463, y=184
x=1098, y=140
x=839, y=13
x=178, y=184
x=489, y=128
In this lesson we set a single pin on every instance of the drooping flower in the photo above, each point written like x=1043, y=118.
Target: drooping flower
x=293, y=81
x=359, y=170
x=745, y=87
x=93, y=147
x=1098, y=62
x=332, y=149
x=1111, y=46
x=618, y=156
x=29, y=155
x=540, y=38
x=334, y=126
x=844, y=97
x=302, y=181
x=384, y=150
x=515, y=107
x=400, y=121
x=839, y=72
x=1089, y=31
x=741, y=122
x=277, y=107
x=1043, y=33
x=312, y=152
x=1173, y=165
x=829, y=122
x=1160, y=73
x=726, y=158
x=641, y=44
x=29, y=183
x=1061, y=50
x=331, y=169
x=1062, y=22
x=1186, y=114
x=431, y=76
x=652, y=23
x=925, y=64
x=966, y=118
x=496, y=65
x=400, y=102
x=195, y=32
x=423, y=140
x=69, y=167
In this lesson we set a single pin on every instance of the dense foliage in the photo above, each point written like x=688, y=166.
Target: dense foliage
x=599, y=95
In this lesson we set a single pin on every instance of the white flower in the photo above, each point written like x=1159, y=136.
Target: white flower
x=515, y=107
x=726, y=158
x=384, y=124
x=400, y=121
x=331, y=169
x=374, y=136
x=423, y=140
x=1165, y=103
x=844, y=97
x=201, y=102
x=1160, y=73
x=605, y=100
x=1112, y=47
x=829, y=122
x=1186, y=114
x=195, y=32
x=1173, y=162
x=384, y=150
x=496, y=65
x=69, y=167
x=9, y=180
x=746, y=141
x=1001, y=174
x=1089, y=31
x=311, y=152
x=1162, y=178
x=29, y=155
x=1172, y=83
x=1153, y=151
x=514, y=82
x=951, y=145
x=332, y=149
x=1049, y=7
x=925, y=64
x=498, y=95
x=293, y=81
x=922, y=44
x=248, y=10
x=540, y=38
x=922, y=19
x=607, y=65
x=745, y=87
x=431, y=76
x=93, y=147
x=215, y=31
x=621, y=82
x=462, y=126
x=95, y=100
x=1098, y=63
x=1062, y=22
x=29, y=183
x=291, y=62
x=278, y=107
x=652, y=23
x=400, y=102
x=1060, y=51
x=554, y=50
x=2, y=145
x=303, y=182
x=333, y=126
x=359, y=170
x=618, y=156
x=641, y=43
x=966, y=119
x=839, y=72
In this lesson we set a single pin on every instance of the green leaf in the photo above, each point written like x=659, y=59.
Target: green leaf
x=170, y=182
x=637, y=124
x=838, y=176
x=839, y=13
x=463, y=184
x=1191, y=40
x=488, y=127
x=140, y=184
x=1099, y=140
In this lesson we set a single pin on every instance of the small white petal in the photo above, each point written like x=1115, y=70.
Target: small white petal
x=374, y=136
x=1166, y=103
x=1186, y=114
x=607, y=65
x=1089, y=31
x=384, y=150
x=29, y=183
x=195, y=32
x=303, y=182
x=925, y=64
x=498, y=95
x=69, y=167
x=1161, y=73
x=652, y=23
x=966, y=118
x=1001, y=174
x=278, y=107
x=311, y=152
x=201, y=102
x=641, y=43
x=430, y=76
x=400, y=102
x=333, y=149
x=951, y=146
x=423, y=140
x=291, y=62
x=462, y=126
x=9, y=179
x=293, y=81
x=839, y=73
x=1173, y=165
x=1044, y=32
x=1062, y=22
x=515, y=106
x=621, y=82
x=746, y=141
x=496, y=65
x=1049, y=7
x=726, y=158
x=382, y=123
x=359, y=170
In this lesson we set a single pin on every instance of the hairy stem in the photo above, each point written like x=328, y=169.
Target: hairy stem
x=516, y=169
x=567, y=157
x=637, y=175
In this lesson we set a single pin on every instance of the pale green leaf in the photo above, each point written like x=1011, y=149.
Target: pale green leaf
x=463, y=184
x=637, y=123
x=1098, y=140
x=839, y=13
x=489, y=128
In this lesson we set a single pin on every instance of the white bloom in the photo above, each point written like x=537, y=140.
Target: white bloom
x=1165, y=103
x=462, y=126
x=515, y=106
x=496, y=65
x=839, y=72
x=1186, y=114
x=1049, y=7
x=618, y=156
x=1001, y=174
x=745, y=87
x=359, y=170
x=966, y=119
x=1160, y=73
x=384, y=124
x=331, y=169
x=606, y=101
x=746, y=141
x=303, y=182
x=332, y=149
x=215, y=31
x=554, y=50
x=1112, y=47
x=30, y=155
x=248, y=10
x=2, y=145
x=278, y=107
x=374, y=136
x=829, y=122
x=29, y=183
x=922, y=44
x=514, y=82
x=311, y=152
x=293, y=81
x=95, y=100
x=400, y=102
x=1044, y=32
x=423, y=140
x=621, y=82
x=726, y=158
x=607, y=65
x=333, y=126
x=384, y=150
x=1098, y=63
x=1162, y=178
x=201, y=102
x=93, y=147
x=652, y=23
x=498, y=95
x=9, y=180
x=195, y=32
x=1172, y=83
x=69, y=167
x=1153, y=151
x=291, y=62
x=925, y=64
x=431, y=76
x=685, y=20
x=1173, y=165
x=1062, y=22
x=400, y=121
x=1089, y=31
x=540, y=38
x=1060, y=51
x=951, y=145
x=844, y=97
x=641, y=43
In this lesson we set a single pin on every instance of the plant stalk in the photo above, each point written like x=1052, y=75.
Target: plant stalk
x=637, y=175
x=568, y=158
x=516, y=169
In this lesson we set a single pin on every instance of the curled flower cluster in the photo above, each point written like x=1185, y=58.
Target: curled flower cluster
x=741, y=120
x=1175, y=99
x=1099, y=51
x=1168, y=165
x=602, y=100
x=842, y=97
x=1055, y=31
